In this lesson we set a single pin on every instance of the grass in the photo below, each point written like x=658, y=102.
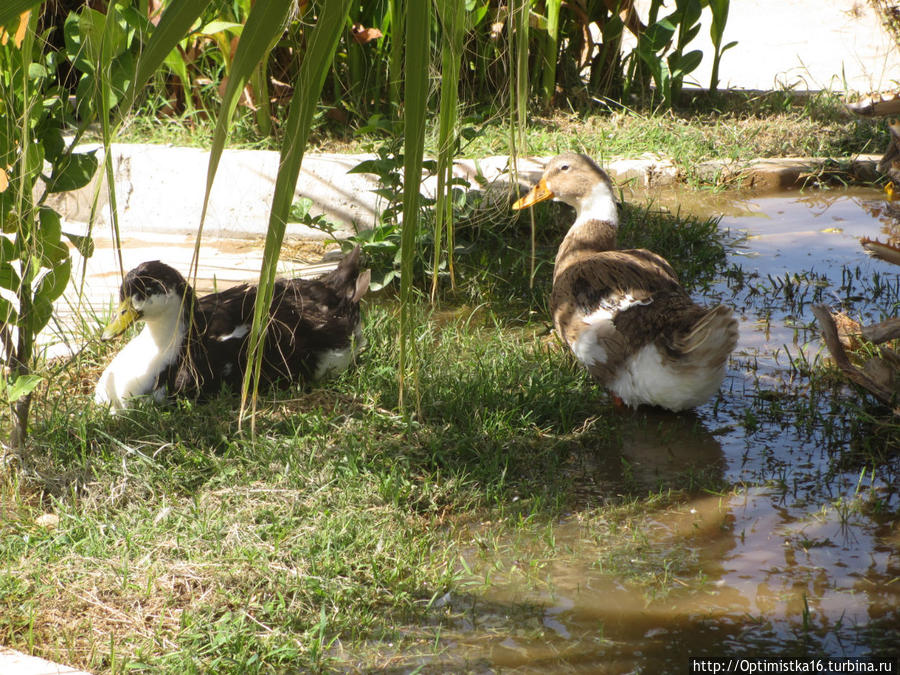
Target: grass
x=737, y=127
x=346, y=536
x=187, y=547
x=183, y=545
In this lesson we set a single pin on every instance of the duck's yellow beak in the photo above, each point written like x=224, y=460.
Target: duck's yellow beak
x=125, y=315
x=538, y=193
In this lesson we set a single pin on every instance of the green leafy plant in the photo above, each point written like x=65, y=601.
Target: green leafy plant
x=382, y=243
x=35, y=264
x=102, y=47
x=662, y=48
x=719, y=9
x=680, y=62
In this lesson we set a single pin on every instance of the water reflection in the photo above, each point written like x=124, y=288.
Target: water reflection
x=654, y=449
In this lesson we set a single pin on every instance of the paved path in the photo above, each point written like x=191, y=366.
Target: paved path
x=16, y=663
x=839, y=45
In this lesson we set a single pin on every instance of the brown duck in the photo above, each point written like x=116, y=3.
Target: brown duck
x=623, y=312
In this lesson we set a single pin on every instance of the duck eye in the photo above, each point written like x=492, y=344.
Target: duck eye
x=564, y=167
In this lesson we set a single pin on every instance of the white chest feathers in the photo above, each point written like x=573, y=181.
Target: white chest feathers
x=333, y=362
x=135, y=369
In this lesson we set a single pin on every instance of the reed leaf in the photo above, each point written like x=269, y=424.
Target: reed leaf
x=451, y=14
x=418, y=20
x=519, y=97
x=174, y=24
x=263, y=28
x=519, y=21
x=323, y=41
x=104, y=87
x=397, y=11
x=551, y=51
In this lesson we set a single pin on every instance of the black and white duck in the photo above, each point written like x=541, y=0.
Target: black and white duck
x=623, y=313
x=192, y=346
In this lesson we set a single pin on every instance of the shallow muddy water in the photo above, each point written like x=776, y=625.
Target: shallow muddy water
x=800, y=555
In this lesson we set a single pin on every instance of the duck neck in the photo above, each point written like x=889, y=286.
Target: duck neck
x=595, y=228
x=167, y=330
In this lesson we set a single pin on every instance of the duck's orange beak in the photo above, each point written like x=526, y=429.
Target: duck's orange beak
x=538, y=193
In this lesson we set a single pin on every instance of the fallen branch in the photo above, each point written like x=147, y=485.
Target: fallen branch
x=854, y=374
x=882, y=332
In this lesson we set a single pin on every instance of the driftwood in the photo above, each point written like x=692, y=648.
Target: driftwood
x=890, y=162
x=882, y=332
x=877, y=375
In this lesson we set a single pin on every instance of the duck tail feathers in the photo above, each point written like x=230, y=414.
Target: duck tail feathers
x=711, y=339
x=362, y=285
x=347, y=279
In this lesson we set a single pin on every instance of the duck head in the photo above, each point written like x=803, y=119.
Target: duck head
x=151, y=291
x=576, y=180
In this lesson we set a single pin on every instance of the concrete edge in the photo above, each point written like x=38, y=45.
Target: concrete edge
x=160, y=188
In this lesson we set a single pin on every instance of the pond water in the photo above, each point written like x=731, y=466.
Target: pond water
x=801, y=555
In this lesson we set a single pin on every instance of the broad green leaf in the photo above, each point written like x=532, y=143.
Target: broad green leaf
x=10, y=10
x=138, y=22
x=52, y=250
x=84, y=38
x=84, y=244
x=7, y=250
x=219, y=26
x=37, y=71
x=34, y=160
x=8, y=314
x=174, y=61
x=9, y=278
x=73, y=171
x=688, y=35
x=686, y=63
x=54, y=282
x=20, y=386
x=38, y=316
x=612, y=29
x=656, y=36
x=121, y=73
x=374, y=166
x=52, y=139
x=719, y=9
